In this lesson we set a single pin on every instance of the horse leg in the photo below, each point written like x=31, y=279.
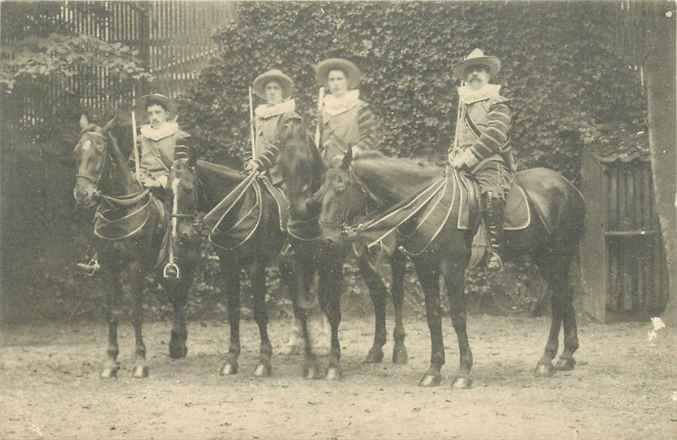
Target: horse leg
x=377, y=292
x=331, y=286
x=454, y=279
x=429, y=276
x=566, y=360
x=552, y=274
x=136, y=278
x=178, y=295
x=258, y=277
x=230, y=267
x=293, y=280
x=110, y=282
x=398, y=267
x=304, y=304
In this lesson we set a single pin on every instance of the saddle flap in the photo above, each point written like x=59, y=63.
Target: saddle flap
x=517, y=213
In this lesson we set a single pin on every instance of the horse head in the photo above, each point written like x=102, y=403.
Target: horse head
x=91, y=163
x=342, y=198
x=301, y=166
x=184, y=183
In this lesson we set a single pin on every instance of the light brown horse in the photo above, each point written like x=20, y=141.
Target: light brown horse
x=394, y=184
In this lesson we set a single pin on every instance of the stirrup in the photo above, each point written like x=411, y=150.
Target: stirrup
x=91, y=267
x=171, y=270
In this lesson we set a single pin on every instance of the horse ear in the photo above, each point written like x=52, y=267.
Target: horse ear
x=84, y=121
x=347, y=158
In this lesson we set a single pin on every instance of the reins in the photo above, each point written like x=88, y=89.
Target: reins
x=109, y=205
x=409, y=210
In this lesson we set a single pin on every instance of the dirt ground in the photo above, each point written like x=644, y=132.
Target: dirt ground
x=622, y=388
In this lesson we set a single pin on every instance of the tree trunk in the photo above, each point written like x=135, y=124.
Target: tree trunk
x=659, y=71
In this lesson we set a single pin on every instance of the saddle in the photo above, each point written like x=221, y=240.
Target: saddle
x=229, y=232
x=527, y=191
x=517, y=215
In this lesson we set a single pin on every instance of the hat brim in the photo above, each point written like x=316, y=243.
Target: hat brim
x=285, y=82
x=350, y=69
x=156, y=98
x=490, y=62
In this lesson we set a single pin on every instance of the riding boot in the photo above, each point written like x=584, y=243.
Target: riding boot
x=492, y=212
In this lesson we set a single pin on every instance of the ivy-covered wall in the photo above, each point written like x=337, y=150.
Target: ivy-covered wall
x=558, y=68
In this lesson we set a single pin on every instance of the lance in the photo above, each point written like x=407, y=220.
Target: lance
x=252, y=132
x=320, y=102
x=135, y=147
x=459, y=117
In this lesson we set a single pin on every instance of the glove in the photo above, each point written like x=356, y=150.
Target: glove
x=251, y=165
x=162, y=181
x=466, y=158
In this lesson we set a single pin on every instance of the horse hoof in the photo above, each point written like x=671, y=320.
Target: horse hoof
x=140, y=372
x=375, y=356
x=311, y=372
x=565, y=364
x=110, y=372
x=263, y=370
x=177, y=352
x=544, y=370
x=430, y=380
x=400, y=356
x=333, y=374
x=229, y=368
x=462, y=383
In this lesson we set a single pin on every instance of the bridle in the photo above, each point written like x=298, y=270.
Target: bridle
x=104, y=166
x=366, y=195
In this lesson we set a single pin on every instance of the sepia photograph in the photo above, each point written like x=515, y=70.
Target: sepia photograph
x=338, y=220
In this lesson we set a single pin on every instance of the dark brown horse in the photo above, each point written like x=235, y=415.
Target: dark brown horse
x=304, y=173
x=130, y=227
x=397, y=184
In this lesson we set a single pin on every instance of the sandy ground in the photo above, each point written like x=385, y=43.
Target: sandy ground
x=623, y=388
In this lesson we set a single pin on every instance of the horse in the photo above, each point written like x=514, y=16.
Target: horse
x=403, y=189
x=130, y=228
x=220, y=191
x=304, y=175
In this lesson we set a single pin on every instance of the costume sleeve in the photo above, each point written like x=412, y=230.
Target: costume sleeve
x=268, y=158
x=494, y=139
x=369, y=129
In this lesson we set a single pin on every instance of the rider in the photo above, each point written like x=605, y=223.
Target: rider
x=158, y=141
x=275, y=87
x=482, y=142
x=347, y=121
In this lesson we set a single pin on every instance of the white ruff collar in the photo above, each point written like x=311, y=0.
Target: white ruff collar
x=470, y=96
x=167, y=129
x=333, y=105
x=265, y=111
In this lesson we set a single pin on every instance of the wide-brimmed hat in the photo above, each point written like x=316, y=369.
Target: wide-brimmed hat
x=285, y=82
x=477, y=58
x=157, y=98
x=352, y=72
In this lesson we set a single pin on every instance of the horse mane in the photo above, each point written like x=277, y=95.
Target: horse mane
x=396, y=165
x=392, y=177
x=216, y=170
x=214, y=182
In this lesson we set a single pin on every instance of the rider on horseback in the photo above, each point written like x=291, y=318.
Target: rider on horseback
x=158, y=141
x=347, y=121
x=275, y=87
x=482, y=142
